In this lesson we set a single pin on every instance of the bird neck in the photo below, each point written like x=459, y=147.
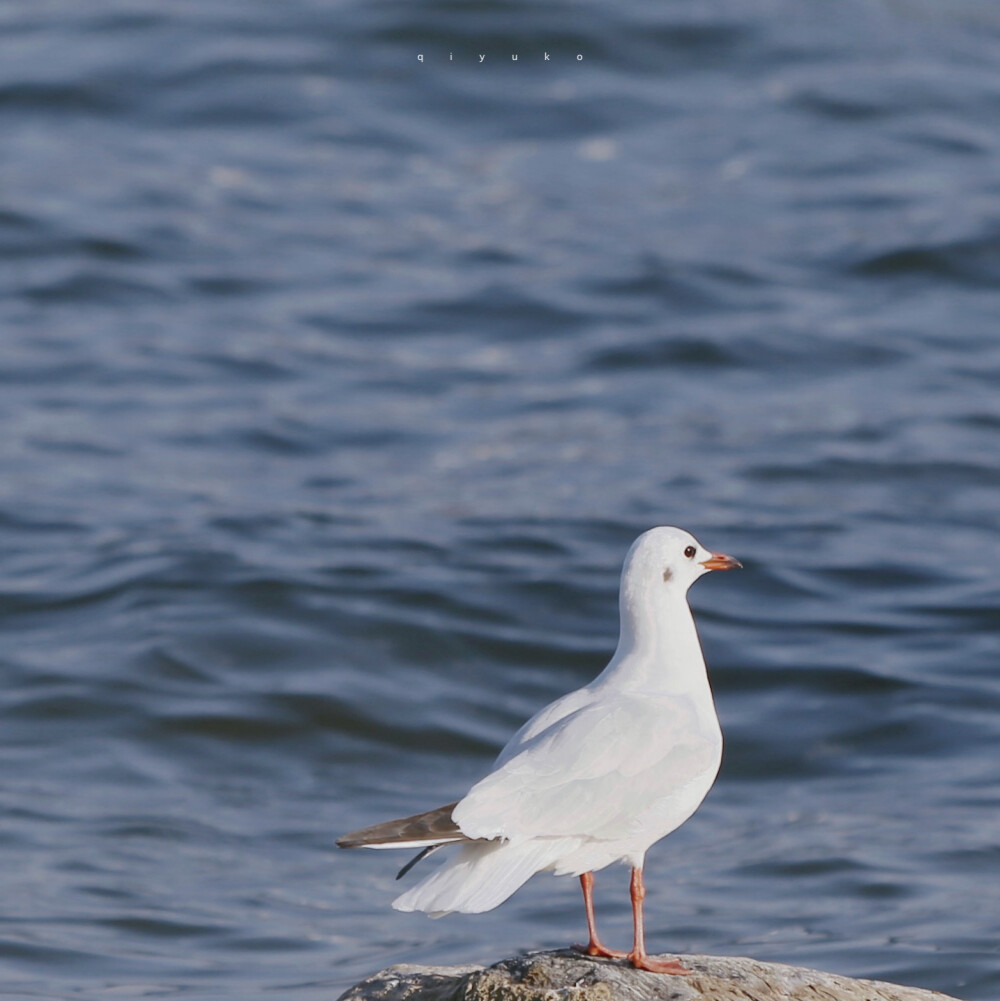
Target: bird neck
x=658, y=648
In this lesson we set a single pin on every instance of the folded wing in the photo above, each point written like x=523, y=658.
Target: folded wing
x=603, y=771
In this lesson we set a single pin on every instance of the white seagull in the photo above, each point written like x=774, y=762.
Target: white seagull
x=596, y=777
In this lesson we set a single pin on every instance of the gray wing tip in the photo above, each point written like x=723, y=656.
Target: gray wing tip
x=431, y=825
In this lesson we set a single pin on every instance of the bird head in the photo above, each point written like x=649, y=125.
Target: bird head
x=673, y=558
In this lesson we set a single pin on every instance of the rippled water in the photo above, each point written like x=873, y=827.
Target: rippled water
x=334, y=386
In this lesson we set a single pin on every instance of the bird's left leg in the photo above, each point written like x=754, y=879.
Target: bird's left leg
x=594, y=947
x=639, y=958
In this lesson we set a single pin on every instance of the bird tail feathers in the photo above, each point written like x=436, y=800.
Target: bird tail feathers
x=482, y=875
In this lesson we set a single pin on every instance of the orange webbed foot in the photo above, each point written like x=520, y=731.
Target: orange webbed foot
x=597, y=948
x=673, y=966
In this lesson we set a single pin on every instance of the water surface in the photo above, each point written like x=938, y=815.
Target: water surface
x=334, y=386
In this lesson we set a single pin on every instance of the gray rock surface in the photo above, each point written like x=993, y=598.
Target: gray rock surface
x=569, y=976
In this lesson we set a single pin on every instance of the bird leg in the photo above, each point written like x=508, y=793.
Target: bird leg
x=639, y=958
x=594, y=947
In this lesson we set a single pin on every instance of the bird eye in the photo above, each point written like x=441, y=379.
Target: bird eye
x=690, y=551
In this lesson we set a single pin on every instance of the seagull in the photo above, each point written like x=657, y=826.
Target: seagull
x=596, y=777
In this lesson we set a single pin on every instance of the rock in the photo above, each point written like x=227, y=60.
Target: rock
x=570, y=976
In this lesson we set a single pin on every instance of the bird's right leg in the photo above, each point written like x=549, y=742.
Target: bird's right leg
x=640, y=959
x=594, y=947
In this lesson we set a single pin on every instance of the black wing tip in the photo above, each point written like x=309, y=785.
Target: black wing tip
x=416, y=858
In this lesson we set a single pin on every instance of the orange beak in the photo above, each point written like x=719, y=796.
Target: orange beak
x=720, y=561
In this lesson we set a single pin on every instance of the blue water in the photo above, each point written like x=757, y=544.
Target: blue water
x=334, y=386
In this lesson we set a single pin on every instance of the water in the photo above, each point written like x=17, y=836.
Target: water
x=334, y=386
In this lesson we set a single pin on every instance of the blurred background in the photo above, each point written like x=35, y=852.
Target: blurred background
x=334, y=386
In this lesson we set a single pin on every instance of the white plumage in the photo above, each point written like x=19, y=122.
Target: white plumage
x=599, y=775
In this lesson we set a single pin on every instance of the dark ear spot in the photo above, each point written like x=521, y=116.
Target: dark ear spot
x=667, y=574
